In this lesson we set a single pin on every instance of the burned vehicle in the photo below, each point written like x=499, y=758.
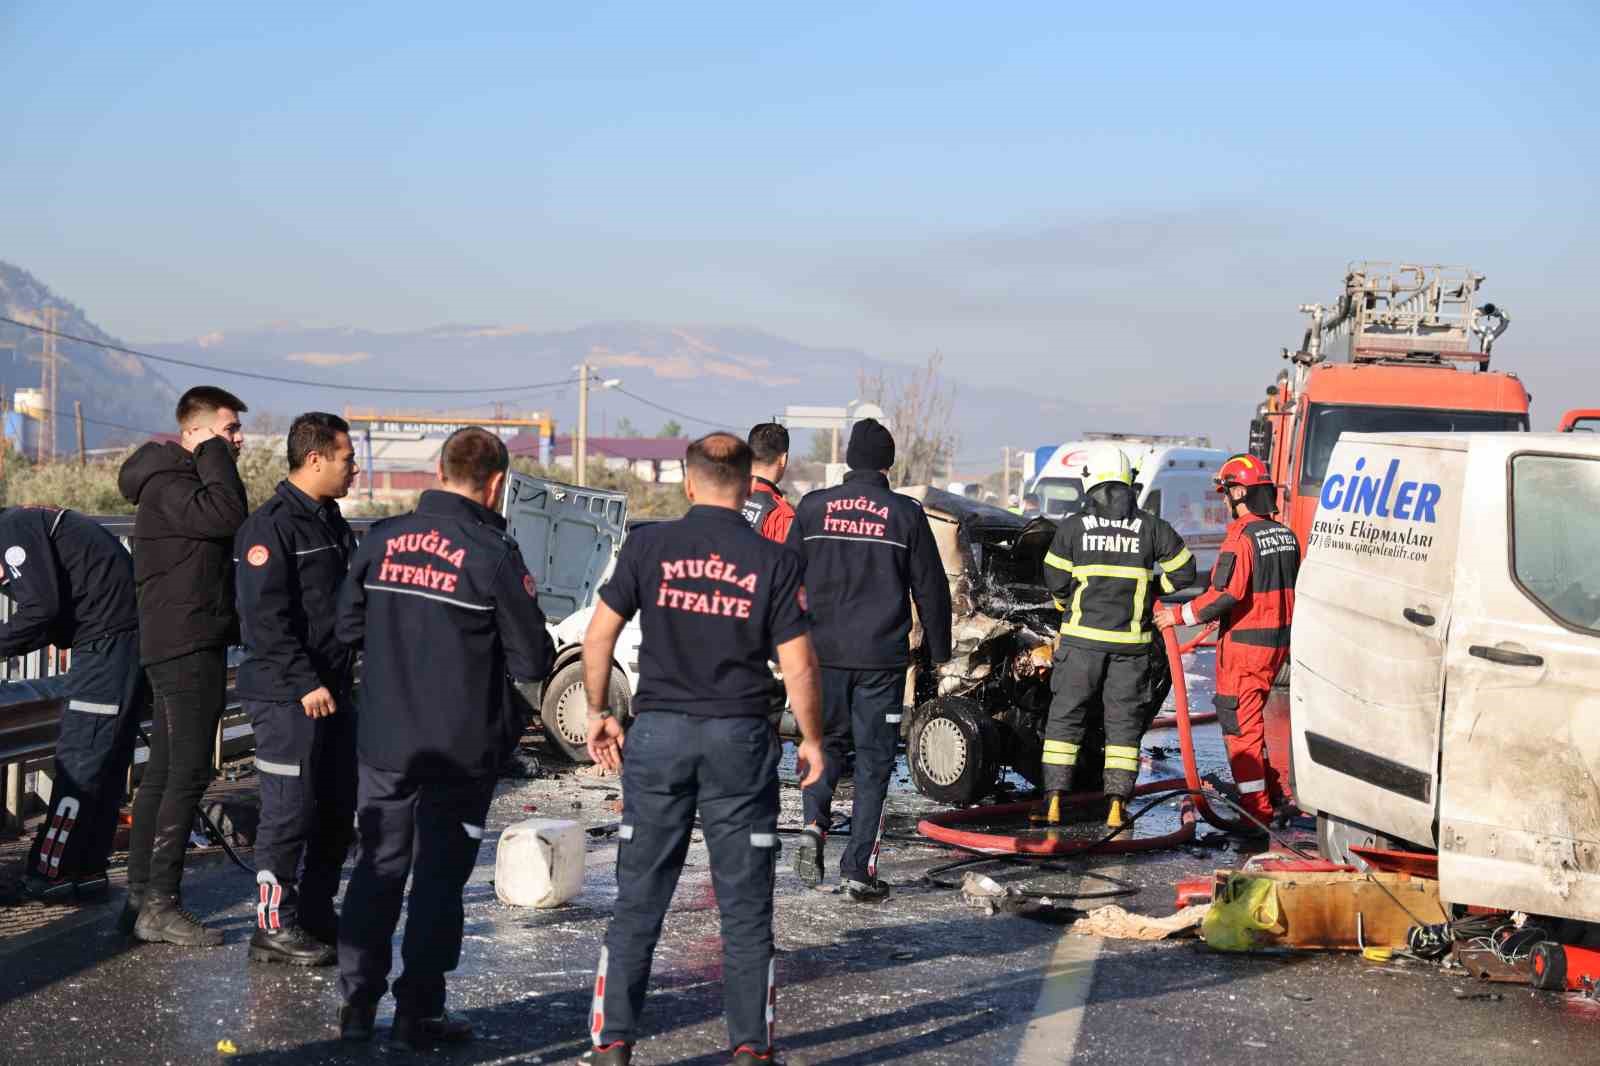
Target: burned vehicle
x=984, y=712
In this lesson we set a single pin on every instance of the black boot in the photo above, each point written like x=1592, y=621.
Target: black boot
x=618, y=1054
x=417, y=1033
x=808, y=855
x=131, y=906
x=292, y=945
x=164, y=921
x=357, y=1023
x=868, y=890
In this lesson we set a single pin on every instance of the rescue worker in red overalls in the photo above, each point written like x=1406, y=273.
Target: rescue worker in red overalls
x=1252, y=596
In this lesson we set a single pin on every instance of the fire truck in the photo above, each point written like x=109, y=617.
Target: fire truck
x=1402, y=348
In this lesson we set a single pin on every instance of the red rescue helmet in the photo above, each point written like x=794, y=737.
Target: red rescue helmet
x=1246, y=471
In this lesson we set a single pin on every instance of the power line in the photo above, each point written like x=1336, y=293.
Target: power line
x=278, y=379
x=668, y=410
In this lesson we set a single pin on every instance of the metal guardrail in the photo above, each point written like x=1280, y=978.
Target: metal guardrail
x=30, y=709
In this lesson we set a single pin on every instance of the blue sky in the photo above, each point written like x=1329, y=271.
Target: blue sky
x=1127, y=200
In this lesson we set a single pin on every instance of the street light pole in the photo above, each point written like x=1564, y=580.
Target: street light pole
x=580, y=446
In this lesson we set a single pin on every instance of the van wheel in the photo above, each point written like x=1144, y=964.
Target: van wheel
x=951, y=750
x=1335, y=838
x=564, y=710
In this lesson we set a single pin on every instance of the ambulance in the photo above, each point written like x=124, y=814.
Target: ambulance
x=1445, y=673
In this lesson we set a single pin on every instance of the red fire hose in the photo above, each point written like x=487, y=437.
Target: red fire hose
x=943, y=826
x=1206, y=638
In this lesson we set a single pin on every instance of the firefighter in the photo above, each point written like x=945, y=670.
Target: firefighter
x=1103, y=568
x=291, y=557
x=715, y=602
x=868, y=553
x=71, y=585
x=445, y=610
x=765, y=508
x=1251, y=595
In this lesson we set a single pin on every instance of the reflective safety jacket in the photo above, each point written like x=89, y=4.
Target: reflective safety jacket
x=1252, y=595
x=1100, y=571
x=767, y=511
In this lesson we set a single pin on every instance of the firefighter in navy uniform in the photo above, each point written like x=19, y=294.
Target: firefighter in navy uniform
x=869, y=552
x=1251, y=596
x=445, y=610
x=291, y=556
x=71, y=585
x=1105, y=568
x=765, y=508
x=715, y=603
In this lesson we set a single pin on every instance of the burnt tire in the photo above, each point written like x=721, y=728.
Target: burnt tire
x=951, y=751
x=1335, y=838
x=564, y=709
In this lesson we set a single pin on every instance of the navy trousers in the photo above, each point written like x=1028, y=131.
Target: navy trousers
x=429, y=830
x=105, y=694
x=863, y=705
x=307, y=773
x=727, y=769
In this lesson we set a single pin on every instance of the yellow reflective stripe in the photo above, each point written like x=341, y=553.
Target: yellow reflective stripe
x=1059, y=605
x=1056, y=758
x=1176, y=561
x=1077, y=606
x=1167, y=585
x=1121, y=757
x=1131, y=573
x=1139, y=592
x=1109, y=636
x=1060, y=745
x=1052, y=559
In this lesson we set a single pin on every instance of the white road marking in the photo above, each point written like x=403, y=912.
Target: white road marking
x=1051, y=1038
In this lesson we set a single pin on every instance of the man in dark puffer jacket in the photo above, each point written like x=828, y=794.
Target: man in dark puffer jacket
x=190, y=502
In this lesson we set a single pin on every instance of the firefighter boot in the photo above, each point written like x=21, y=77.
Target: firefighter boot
x=1119, y=789
x=808, y=855
x=617, y=1054
x=290, y=944
x=1052, y=809
x=164, y=921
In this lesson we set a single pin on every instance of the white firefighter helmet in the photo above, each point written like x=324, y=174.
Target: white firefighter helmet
x=1107, y=464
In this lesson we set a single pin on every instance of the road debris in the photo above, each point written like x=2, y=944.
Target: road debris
x=1116, y=923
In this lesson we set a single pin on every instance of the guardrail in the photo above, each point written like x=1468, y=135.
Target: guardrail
x=31, y=706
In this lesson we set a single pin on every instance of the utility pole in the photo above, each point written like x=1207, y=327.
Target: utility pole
x=580, y=444
x=77, y=416
x=48, y=380
x=5, y=438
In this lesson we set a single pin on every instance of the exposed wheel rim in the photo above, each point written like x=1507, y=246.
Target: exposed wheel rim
x=571, y=711
x=942, y=751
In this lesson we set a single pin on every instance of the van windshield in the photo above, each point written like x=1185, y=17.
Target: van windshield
x=1059, y=496
x=1326, y=421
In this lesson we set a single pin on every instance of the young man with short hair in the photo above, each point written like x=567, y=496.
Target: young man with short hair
x=765, y=508
x=292, y=555
x=189, y=503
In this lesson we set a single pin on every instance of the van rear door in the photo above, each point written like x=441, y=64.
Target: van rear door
x=1372, y=607
x=568, y=536
x=1519, y=818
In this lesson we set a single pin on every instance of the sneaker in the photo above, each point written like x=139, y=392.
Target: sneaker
x=745, y=1055
x=618, y=1054
x=357, y=1023
x=131, y=906
x=417, y=1034
x=871, y=890
x=291, y=945
x=164, y=921
x=808, y=855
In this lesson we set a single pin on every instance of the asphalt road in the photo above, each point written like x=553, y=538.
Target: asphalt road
x=920, y=979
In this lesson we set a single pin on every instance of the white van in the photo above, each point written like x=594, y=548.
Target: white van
x=1177, y=484
x=1445, y=680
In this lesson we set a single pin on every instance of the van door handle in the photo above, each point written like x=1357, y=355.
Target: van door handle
x=1505, y=658
x=1418, y=618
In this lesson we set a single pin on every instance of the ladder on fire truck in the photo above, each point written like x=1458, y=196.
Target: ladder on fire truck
x=1403, y=312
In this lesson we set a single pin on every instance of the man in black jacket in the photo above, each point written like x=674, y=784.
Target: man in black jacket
x=292, y=555
x=446, y=611
x=190, y=502
x=868, y=553
x=71, y=586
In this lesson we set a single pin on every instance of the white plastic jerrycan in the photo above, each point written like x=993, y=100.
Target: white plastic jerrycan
x=539, y=863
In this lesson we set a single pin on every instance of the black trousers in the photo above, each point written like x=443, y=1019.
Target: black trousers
x=105, y=692
x=307, y=773
x=190, y=692
x=429, y=830
x=863, y=705
x=1083, y=679
x=727, y=768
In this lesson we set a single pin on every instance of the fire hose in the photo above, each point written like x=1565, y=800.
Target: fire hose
x=1206, y=638
x=951, y=827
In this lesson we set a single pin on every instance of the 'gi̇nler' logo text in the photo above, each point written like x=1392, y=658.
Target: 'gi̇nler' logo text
x=1411, y=501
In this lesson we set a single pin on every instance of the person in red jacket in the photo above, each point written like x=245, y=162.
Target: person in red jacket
x=765, y=508
x=1252, y=596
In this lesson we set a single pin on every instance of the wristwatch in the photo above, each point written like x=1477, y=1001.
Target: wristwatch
x=604, y=712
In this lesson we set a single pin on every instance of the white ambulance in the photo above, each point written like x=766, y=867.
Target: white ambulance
x=1445, y=680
